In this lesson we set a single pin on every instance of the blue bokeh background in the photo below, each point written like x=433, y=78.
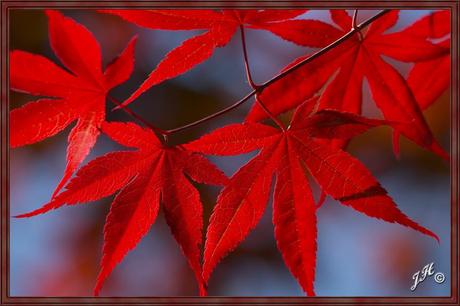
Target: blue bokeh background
x=57, y=254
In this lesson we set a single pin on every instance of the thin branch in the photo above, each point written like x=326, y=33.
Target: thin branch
x=269, y=113
x=217, y=114
x=246, y=59
x=138, y=117
x=323, y=50
x=281, y=75
x=355, y=18
x=253, y=84
x=354, y=24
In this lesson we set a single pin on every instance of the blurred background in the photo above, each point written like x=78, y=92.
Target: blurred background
x=57, y=254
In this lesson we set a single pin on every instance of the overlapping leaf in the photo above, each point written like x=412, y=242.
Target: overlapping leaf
x=284, y=154
x=429, y=79
x=151, y=174
x=340, y=73
x=220, y=26
x=327, y=93
x=76, y=96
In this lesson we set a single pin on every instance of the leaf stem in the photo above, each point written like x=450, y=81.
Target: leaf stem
x=281, y=75
x=354, y=24
x=323, y=50
x=253, y=84
x=355, y=17
x=246, y=59
x=139, y=118
x=269, y=113
x=212, y=116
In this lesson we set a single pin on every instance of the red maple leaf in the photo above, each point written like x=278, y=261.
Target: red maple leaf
x=79, y=95
x=155, y=173
x=285, y=154
x=340, y=73
x=429, y=79
x=220, y=27
x=144, y=177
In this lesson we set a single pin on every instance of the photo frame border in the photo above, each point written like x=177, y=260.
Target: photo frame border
x=5, y=299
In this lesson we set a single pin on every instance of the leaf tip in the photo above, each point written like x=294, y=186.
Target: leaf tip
x=134, y=38
x=203, y=289
x=322, y=199
x=99, y=282
x=52, y=13
x=207, y=269
x=427, y=232
x=27, y=215
x=117, y=107
x=45, y=208
x=61, y=185
x=96, y=290
x=436, y=237
x=132, y=42
x=436, y=148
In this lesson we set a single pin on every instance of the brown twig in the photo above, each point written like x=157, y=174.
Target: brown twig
x=246, y=60
x=139, y=118
x=286, y=72
x=354, y=24
x=253, y=84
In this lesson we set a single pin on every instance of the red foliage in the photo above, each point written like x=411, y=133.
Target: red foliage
x=79, y=95
x=143, y=177
x=325, y=90
x=220, y=27
x=284, y=153
x=429, y=79
x=358, y=58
